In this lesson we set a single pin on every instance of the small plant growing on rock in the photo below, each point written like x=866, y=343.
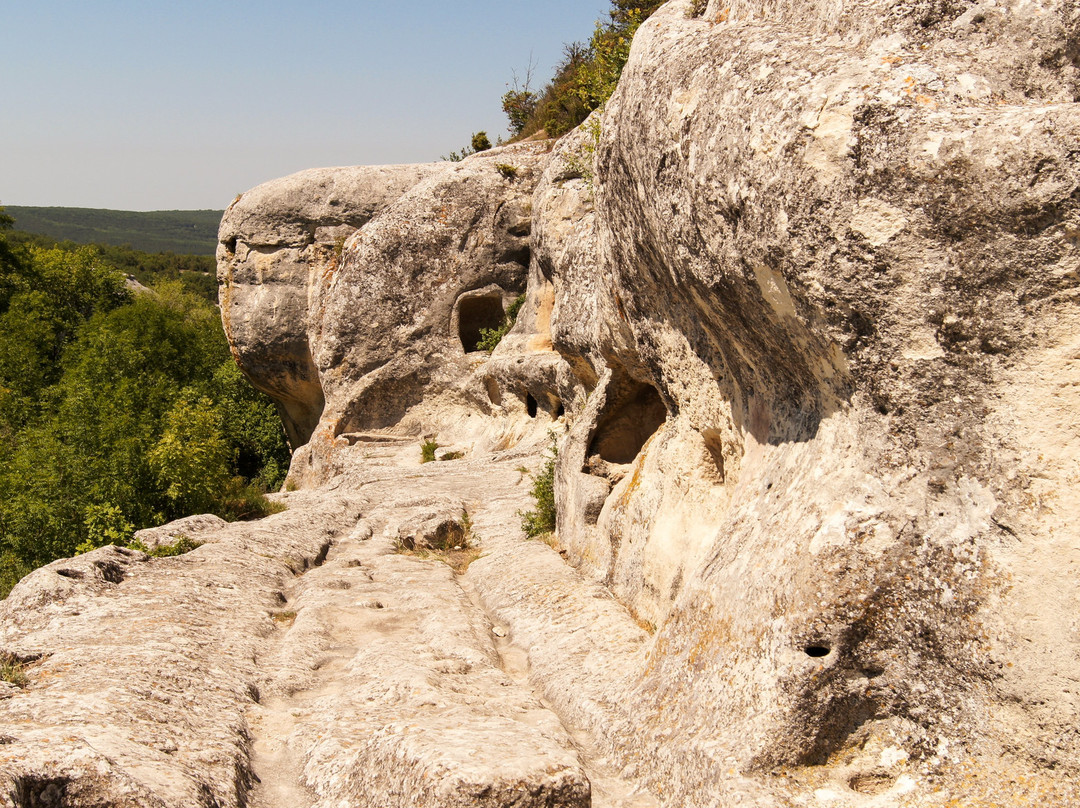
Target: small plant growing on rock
x=284, y=618
x=540, y=521
x=452, y=456
x=507, y=170
x=697, y=8
x=427, y=450
x=479, y=142
x=182, y=545
x=491, y=337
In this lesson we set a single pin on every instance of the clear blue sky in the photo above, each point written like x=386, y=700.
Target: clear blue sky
x=152, y=105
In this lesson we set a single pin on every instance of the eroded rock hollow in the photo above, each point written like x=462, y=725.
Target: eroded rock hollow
x=800, y=319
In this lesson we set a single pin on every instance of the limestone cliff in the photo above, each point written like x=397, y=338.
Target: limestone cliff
x=802, y=315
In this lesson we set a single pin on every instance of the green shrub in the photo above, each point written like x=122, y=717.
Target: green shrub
x=584, y=79
x=182, y=545
x=12, y=570
x=541, y=519
x=241, y=501
x=105, y=524
x=491, y=337
x=427, y=450
x=507, y=170
x=478, y=143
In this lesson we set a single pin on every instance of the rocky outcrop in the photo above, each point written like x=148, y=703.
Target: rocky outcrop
x=363, y=291
x=274, y=244
x=801, y=314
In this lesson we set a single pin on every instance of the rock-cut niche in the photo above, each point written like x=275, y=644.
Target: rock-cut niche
x=634, y=412
x=476, y=314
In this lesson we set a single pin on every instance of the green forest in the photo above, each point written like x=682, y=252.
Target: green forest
x=119, y=408
x=184, y=232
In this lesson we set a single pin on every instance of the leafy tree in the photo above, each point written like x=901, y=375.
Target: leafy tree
x=118, y=412
x=251, y=426
x=191, y=459
x=609, y=50
x=623, y=10
x=105, y=524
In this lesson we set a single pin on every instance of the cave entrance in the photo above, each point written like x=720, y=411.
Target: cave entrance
x=633, y=414
x=476, y=313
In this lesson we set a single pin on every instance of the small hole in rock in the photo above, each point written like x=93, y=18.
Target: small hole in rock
x=230, y=245
x=817, y=650
x=75, y=574
x=560, y=411
x=871, y=783
x=530, y=405
x=110, y=571
x=714, y=446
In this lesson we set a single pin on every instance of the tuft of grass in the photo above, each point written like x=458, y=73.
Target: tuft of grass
x=427, y=450
x=541, y=519
x=697, y=8
x=285, y=618
x=182, y=545
x=491, y=337
x=12, y=670
x=507, y=170
x=452, y=456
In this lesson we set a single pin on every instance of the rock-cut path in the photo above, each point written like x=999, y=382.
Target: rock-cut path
x=305, y=661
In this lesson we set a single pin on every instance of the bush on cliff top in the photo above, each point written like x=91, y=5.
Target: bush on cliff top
x=583, y=80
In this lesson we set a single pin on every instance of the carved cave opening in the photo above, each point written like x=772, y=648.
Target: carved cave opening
x=476, y=313
x=633, y=414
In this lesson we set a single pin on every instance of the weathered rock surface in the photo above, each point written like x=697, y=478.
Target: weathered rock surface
x=275, y=242
x=190, y=527
x=802, y=312
x=827, y=241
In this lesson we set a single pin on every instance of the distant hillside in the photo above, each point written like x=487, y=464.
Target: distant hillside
x=186, y=232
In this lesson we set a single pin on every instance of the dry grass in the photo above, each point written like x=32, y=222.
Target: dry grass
x=12, y=670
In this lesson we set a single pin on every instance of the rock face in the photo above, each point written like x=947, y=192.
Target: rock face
x=275, y=242
x=802, y=316
x=830, y=244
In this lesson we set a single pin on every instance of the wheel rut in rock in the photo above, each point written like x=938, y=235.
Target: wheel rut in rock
x=385, y=684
